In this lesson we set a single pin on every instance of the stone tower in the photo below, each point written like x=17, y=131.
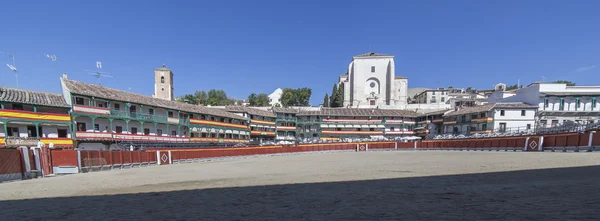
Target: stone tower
x=163, y=83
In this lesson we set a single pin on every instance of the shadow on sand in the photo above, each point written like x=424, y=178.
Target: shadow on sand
x=546, y=194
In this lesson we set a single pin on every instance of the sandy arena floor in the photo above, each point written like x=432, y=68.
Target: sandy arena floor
x=326, y=186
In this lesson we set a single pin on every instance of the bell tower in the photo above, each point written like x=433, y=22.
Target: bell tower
x=163, y=83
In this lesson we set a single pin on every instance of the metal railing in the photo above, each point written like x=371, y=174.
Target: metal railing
x=518, y=131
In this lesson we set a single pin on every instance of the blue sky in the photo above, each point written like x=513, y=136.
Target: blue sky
x=257, y=46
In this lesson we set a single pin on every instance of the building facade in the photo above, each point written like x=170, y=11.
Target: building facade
x=106, y=118
x=262, y=123
x=559, y=104
x=29, y=117
x=432, y=96
x=371, y=82
x=163, y=83
x=499, y=117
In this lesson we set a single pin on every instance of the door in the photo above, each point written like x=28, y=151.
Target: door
x=502, y=128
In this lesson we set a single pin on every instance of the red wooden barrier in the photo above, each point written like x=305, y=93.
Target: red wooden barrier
x=64, y=158
x=596, y=139
x=11, y=166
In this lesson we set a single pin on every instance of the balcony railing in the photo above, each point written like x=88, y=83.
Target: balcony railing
x=139, y=116
x=287, y=118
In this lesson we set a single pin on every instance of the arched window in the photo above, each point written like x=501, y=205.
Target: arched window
x=162, y=79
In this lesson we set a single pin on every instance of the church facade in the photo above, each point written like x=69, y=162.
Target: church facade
x=371, y=82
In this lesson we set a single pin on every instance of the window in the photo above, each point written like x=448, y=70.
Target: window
x=203, y=134
x=372, y=102
x=578, y=103
x=482, y=115
x=522, y=112
x=501, y=112
x=17, y=107
x=484, y=127
x=13, y=131
x=391, y=128
x=554, y=123
x=146, y=131
x=170, y=114
x=133, y=130
x=62, y=133
x=443, y=99
x=594, y=103
x=372, y=69
x=79, y=100
x=546, y=104
x=117, y=107
x=502, y=128
x=372, y=85
x=119, y=129
x=151, y=111
x=132, y=109
x=81, y=127
x=528, y=126
x=162, y=79
x=174, y=133
x=158, y=132
x=31, y=131
x=463, y=118
x=97, y=127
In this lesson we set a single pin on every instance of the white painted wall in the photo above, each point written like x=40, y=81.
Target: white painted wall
x=513, y=118
x=361, y=77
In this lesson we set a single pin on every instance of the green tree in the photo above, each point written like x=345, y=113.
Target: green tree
x=340, y=95
x=277, y=105
x=201, y=97
x=326, y=100
x=252, y=99
x=287, y=97
x=332, y=99
x=512, y=87
x=262, y=100
x=302, y=97
x=569, y=83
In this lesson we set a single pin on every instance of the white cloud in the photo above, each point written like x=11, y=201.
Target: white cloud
x=585, y=68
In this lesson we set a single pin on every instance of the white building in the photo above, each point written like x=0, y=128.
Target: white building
x=275, y=97
x=432, y=96
x=499, y=117
x=558, y=103
x=371, y=82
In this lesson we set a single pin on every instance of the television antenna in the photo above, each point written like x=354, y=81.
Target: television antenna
x=12, y=67
x=97, y=72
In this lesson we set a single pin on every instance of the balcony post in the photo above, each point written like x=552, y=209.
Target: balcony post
x=155, y=129
x=93, y=124
x=142, y=127
x=5, y=128
x=34, y=108
x=2, y=106
x=110, y=120
x=127, y=126
x=37, y=130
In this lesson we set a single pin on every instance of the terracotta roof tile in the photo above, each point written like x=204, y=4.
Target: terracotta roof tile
x=249, y=110
x=32, y=97
x=81, y=88
x=358, y=112
x=285, y=110
x=488, y=107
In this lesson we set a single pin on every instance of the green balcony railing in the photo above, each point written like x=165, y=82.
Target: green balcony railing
x=138, y=116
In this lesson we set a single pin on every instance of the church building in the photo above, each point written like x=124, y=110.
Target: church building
x=371, y=82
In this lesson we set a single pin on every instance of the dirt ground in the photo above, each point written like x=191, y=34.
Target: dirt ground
x=403, y=185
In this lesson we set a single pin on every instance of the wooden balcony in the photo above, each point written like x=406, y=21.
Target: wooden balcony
x=219, y=124
x=483, y=120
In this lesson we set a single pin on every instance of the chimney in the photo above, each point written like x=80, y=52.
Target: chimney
x=65, y=75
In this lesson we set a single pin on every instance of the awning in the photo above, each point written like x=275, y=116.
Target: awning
x=380, y=126
x=221, y=131
x=372, y=126
x=203, y=130
x=213, y=130
x=348, y=126
x=194, y=129
x=364, y=126
x=227, y=131
x=324, y=126
x=356, y=126
x=236, y=132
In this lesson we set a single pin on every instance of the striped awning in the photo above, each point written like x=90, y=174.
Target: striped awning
x=364, y=126
x=380, y=126
x=356, y=126
x=348, y=126
x=372, y=126
x=324, y=126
